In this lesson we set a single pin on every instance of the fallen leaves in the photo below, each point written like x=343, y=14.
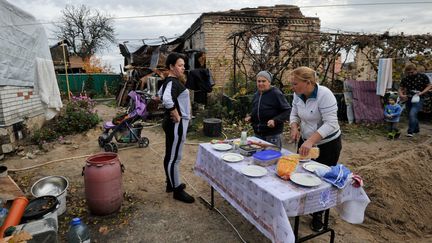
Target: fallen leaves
x=104, y=230
x=22, y=236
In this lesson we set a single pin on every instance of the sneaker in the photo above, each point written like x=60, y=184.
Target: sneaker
x=397, y=135
x=181, y=195
x=410, y=135
x=316, y=224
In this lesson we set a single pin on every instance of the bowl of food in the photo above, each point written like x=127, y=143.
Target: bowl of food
x=249, y=149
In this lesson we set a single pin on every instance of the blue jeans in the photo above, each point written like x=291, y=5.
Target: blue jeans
x=413, y=110
x=273, y=139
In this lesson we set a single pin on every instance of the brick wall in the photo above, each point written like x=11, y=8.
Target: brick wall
x=18, y=103
x=212, y=31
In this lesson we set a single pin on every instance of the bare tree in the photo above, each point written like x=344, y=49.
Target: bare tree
x=87, y=30
x=264, y=47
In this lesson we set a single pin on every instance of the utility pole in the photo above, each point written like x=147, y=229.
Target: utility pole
x=66, y=68
x=334, y=59
x=235, y=64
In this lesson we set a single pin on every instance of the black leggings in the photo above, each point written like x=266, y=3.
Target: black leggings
x=175, y=136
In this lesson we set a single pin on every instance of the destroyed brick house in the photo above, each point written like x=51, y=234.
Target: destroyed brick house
x=215, y=39
x=60, y=55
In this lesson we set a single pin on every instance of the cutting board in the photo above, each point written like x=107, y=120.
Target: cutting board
x=9, y=190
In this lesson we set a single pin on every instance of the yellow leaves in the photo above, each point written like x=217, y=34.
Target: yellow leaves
x=94, y=64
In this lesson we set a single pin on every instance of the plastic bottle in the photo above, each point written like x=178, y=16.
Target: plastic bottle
x=78, y=232
x=243, y=138
x=3, y=214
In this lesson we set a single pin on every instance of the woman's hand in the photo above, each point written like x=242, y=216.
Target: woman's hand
x=271, y=123
x=305, y=148
x=175, y=116
x=295, y=133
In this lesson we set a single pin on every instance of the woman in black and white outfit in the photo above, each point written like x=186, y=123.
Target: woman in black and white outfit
x=175, y=98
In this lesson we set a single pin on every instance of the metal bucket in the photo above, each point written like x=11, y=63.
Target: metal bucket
x=52, y=186
x=212, y=127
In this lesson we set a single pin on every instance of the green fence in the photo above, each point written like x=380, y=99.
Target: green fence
x=91, y=83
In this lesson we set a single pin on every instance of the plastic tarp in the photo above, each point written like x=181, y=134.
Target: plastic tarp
x=25, y=58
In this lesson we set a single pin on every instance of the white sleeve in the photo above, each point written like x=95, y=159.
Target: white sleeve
x=328, y=109
x=167, y=99
x=294, y=118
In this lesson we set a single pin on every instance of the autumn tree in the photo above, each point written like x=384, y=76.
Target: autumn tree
x=87, y=30
x=94, y=64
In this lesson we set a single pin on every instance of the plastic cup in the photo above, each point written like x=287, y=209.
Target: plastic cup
x=243, y=138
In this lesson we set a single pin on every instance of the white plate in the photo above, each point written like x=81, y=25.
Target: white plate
x=222, y=146
x=232, y=157
x=305, y=179
x=312, y=166
x=254, y=171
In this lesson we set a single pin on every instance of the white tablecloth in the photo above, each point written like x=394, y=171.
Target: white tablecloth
x=267, y=202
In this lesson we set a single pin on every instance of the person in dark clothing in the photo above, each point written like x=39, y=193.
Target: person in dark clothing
x=175, y=99
x=413, y=84
x=201, y=82
x=270, y=110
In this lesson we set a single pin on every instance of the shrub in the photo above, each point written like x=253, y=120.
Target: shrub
x=77, y=116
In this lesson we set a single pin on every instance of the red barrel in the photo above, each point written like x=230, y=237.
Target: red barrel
x=103, y=183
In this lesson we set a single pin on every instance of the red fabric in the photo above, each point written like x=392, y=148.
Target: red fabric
x=366, y=104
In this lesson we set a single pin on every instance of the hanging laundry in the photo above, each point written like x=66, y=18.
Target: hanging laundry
x=384, y=77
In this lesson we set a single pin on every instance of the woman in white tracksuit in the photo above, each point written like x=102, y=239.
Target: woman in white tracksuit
x=314, y=122
x=175, y=99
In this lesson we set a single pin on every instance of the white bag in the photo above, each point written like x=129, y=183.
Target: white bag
x=415, y=98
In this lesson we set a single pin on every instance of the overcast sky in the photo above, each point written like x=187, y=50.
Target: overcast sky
x=411, y=18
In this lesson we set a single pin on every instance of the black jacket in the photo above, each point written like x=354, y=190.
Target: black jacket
x=271, y=105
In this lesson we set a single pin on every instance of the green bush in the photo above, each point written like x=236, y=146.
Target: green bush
x=77, y=116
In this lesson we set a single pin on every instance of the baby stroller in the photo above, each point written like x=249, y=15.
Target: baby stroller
x=122, y=128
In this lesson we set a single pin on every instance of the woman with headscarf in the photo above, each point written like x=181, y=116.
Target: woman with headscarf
x=270, y=110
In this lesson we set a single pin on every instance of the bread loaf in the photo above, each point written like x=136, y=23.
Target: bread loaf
x=287, y=165
x=313, y=154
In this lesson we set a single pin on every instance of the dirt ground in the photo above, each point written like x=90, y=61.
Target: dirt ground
x=397, y=177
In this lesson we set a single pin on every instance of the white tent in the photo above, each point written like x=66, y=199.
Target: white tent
x=25, y=63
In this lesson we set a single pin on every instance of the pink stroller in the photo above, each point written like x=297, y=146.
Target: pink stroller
x=122, y=128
